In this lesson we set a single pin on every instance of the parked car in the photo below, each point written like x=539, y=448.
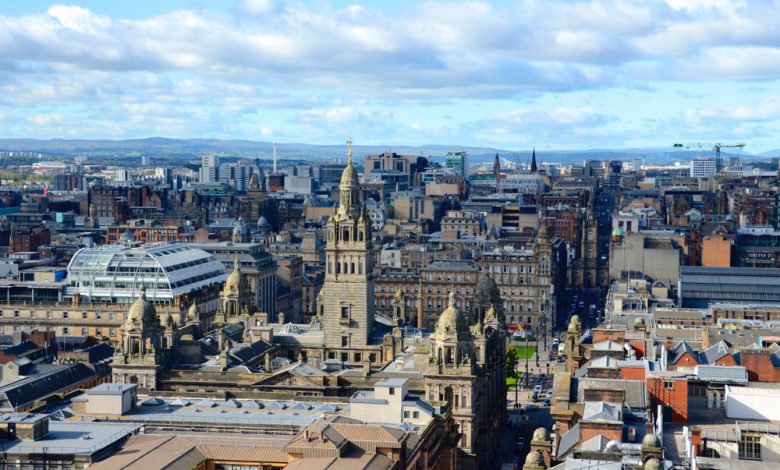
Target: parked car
x=549, y=394
x=537, y=388
x=547, y=402
x=530, y=407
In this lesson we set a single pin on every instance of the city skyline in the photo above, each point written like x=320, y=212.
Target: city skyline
x=562, y=75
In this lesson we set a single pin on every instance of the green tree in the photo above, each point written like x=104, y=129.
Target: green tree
x=511, y=363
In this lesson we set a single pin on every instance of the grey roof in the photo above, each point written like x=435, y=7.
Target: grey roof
x=39, y=386
x=635, y=391
x=727, y=374
x=714, y=352
x=607, y=346
x=72, y=437
x=596, y=443
x=679, y=351
x=111, y=389
x=568, y=441
x=602, y=411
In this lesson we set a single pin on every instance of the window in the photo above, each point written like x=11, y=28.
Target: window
x=84, y=331
x=406, y=414
x=416, y=415
x=84, y=315
x=392, y=390
x=112, y=332
x=372, y=358
x=16, y=313
x=668, y=384
x=358, y=357
x=750, y=447
x=112, y=316
x=344, y=357
x=65, y=330
x=345, y=341
x=344, y=312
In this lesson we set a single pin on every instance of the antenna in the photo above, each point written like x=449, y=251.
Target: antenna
x=274, y=157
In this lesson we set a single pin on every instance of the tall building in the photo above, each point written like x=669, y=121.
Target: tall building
x=235, y=176
x=458, y=161
x=209, y=169
x=702, y=167
x=346, y=301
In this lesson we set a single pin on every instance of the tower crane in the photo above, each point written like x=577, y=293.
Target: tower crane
x=715, y=147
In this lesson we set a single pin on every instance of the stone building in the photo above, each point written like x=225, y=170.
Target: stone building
x=346, y=301
x=466, y=369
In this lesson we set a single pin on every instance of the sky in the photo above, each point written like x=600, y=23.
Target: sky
x=549, y=74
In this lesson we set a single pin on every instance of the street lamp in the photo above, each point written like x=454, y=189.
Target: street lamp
x=526, y=357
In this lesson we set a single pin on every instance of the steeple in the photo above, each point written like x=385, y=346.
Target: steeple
x=534, y=169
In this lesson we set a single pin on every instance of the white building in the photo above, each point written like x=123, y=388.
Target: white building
x=702, y=167
x=390, y=403
x=115, y=273
x=209, y=169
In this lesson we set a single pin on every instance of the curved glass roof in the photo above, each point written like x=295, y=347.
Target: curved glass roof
x=114, y=273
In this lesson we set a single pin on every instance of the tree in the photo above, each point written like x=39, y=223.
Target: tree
x=511, y=362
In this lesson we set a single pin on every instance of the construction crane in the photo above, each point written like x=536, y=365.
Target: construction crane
x=715, y=147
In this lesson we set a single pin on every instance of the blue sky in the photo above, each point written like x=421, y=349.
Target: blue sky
x=554, y=74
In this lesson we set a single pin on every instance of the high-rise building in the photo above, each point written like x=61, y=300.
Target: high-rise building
x=235, y=176
x=458, y=161
x=702, y=168
x=209, y=169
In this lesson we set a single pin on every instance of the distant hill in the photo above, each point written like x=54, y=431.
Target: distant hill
x=193, y=148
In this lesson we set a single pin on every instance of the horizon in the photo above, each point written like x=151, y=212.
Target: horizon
x=557, y=76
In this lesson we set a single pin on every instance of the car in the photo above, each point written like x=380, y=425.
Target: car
x=547, y=402
x=549, y=394
x=537, y=388
x=530, y=407
x=556, y=341
x=549, y=356
x=535, y=397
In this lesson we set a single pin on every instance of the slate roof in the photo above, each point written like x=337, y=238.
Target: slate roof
x=714, y=352
x=568, y=441
x=679, y=351
x=39, y=386
x=602, y=411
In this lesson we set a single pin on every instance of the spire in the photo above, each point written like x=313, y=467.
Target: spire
x=533, y=161
x=274, y=157
x=349, y=151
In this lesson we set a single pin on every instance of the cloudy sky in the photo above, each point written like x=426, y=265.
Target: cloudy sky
x=546, y=73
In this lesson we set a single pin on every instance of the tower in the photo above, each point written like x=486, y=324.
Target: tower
x=236, y=297
x=466, y=366
x=534, y=169
x=240, y=232
x=497, y=172
x=144, y=347
x=346, y=301
x=399, y=308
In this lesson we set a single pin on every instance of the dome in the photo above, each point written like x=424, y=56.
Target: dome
x=234, y=280
x=616, y=232
x=239, y=228
x=639, y=321
x=541, y=434
x=452, y=322
x=651, y=440
x=534, y=458
x=652, y=464
x=349, y=177
x=194, y=311
x=574, y=324
x=142, y=310
x=262, y=223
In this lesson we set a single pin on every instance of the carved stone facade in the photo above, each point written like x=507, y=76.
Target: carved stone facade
x=467, y=370
x=346, y=302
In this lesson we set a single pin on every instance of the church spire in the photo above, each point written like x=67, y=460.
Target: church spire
x=349, y=151
x=533, y=161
